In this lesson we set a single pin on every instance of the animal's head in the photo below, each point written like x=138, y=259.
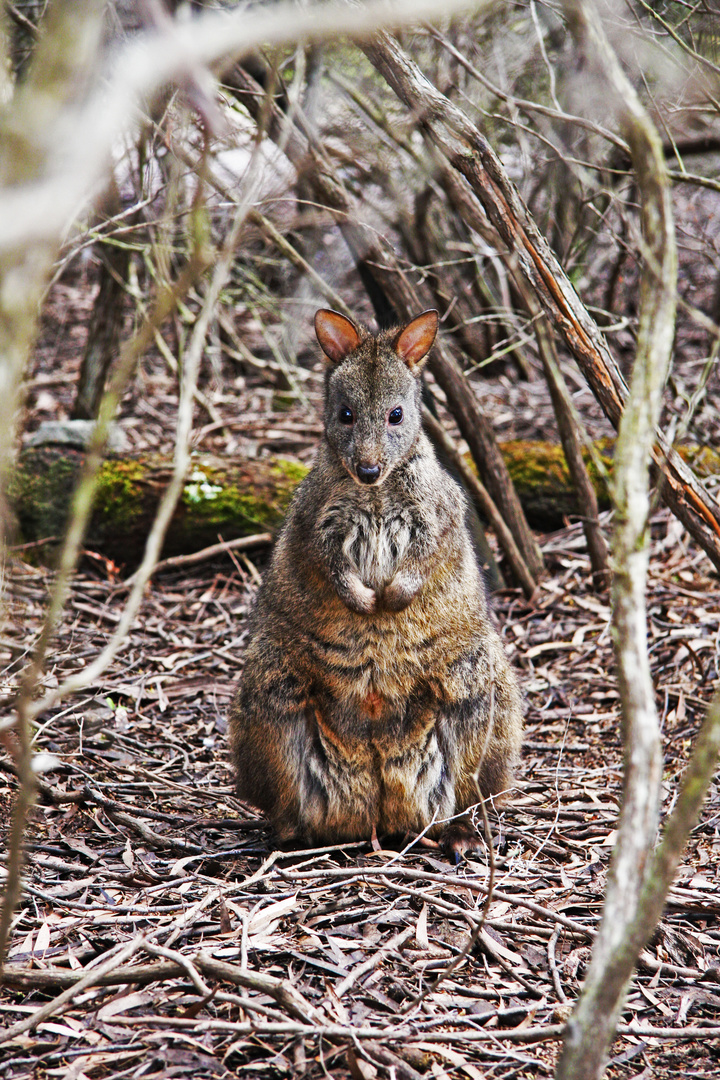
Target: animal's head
x=372, y=391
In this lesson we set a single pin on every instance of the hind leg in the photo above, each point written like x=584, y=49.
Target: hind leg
x=486, y=727
x=482, y=731
x=267, y=730
x=290, y=761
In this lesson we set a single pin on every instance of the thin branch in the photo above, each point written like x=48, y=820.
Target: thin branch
x=697, y=778
x=115, y=959
x=697, y=57
x=529, y=106
x=625, y=925
x=194, y=557
x=484, y=503
x=570, y=429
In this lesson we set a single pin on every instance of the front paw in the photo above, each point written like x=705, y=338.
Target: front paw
x=397, y=595
x=358, y=597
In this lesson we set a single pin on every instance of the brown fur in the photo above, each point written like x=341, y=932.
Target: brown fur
x=376, y=692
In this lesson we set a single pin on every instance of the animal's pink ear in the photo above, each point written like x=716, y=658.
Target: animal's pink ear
x=415, y=340
x=337, y=335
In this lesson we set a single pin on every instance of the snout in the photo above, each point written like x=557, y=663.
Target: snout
x=367, y=473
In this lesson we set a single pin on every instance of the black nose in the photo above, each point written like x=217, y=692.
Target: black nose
x=368, y=474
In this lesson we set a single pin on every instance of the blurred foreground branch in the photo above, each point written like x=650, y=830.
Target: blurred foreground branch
x=637, y=880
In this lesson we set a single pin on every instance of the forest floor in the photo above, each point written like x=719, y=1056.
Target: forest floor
x=218, y=955
x=137, y=838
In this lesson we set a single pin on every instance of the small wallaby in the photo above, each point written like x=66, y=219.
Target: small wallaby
x=376, y=694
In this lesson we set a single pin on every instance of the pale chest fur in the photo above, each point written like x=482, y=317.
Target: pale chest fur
x=377, y=545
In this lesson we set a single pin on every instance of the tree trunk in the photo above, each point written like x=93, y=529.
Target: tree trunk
x=106, y=321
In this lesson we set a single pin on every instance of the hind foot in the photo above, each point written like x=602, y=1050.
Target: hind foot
x=460, y=837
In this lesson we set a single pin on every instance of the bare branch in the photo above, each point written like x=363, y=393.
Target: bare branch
x=624, y=927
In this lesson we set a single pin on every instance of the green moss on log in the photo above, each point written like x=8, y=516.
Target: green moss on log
x=118, y=497
x=231, y=501
x=228, y=499
x=542, y=480
x=40, y=490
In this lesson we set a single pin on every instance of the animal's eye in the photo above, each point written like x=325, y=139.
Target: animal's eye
x=345, y=415
x=396, y=415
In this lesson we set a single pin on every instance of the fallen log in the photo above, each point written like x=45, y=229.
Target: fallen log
x=241, y=497
x=227, y=499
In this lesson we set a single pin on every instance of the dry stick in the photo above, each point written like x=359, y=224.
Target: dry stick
x=225, y=323
x=550, y=1032
x=376, y=116
x=483, y=501
x=685, y=812
x=361, y=969
x=167, y=355
x=154, y=839
x=521, y=103
x=381, y=264
x=78, y=149
x=280, y=990
x=469, y=153
x=91, y=978
x=354, y=875
x=396, y=1065
x=52, y=978
x=137, y=975
x=183, y=962
x=427, y=251
x=49, y=979
x=293, y=256
x=241, y=544
x=571, y=439
x=552, y=963
x=479, y=436
x=705, y=61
